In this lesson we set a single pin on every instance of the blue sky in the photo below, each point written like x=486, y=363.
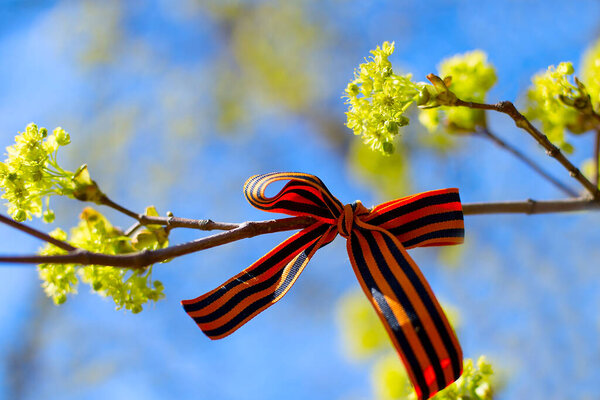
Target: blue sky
x=526, y=287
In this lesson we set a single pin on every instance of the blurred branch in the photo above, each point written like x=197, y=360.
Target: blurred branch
x=254, y=228
x=508, y=108
x=531, y=206
x=485, y=132
x=597, y=156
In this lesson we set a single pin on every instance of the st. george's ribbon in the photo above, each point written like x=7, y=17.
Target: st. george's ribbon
x=377, y=240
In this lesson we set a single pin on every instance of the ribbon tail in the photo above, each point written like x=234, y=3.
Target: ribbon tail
x=223, y=310
x=408, y=309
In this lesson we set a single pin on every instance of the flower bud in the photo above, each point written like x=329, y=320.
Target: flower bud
x=158, y=285
x=31, y=129
x=60, y=298
x=136, y=309
x=352, y=90
x=62, y=137
x=391, y=127
x=49, y=216
x=565, y=68
x=37, y=176
x=388, y=148
x=20, y=216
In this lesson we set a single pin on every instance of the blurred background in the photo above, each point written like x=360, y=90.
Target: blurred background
x=176, y=103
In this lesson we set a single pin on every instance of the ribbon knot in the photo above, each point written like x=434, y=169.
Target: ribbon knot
x=376, y=241
x=345, y=221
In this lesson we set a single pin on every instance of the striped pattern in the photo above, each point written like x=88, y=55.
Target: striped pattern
x=377, y=240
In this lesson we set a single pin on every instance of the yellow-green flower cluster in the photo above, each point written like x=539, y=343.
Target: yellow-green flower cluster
x=472, y=77
x=31, y=174
x=129, y=288
x=58, y=280
x=377, y=100
x=590, y=73
x=391, y=382
x=559, y=104
x=30, y=171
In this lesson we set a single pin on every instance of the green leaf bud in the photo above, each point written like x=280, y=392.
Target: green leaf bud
x=151, y=211
x=423, y=97
x=468, y=76
x=85, y=189
x=437, y=82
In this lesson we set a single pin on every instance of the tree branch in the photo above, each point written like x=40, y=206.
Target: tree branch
x=254, y=228
x=485, y=132
x=508, y=108
x=145, y=258
x=531, y=206
x=35, y=233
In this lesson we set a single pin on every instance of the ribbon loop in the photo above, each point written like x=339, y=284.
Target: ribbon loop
x=376, y=241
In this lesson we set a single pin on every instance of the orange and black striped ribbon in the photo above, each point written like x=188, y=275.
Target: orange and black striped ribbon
x=377, y=240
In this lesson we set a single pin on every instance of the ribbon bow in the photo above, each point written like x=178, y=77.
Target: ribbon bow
x=377, y=240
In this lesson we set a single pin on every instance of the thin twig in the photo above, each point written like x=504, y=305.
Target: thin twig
x=35, y=233
x=250, y=229
x=508, y=108
x=170, y=222
x=514, y=151
x=108, y=202
x=131, y=230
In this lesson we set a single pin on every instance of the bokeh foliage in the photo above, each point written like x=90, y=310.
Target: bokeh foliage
x=365, y=339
